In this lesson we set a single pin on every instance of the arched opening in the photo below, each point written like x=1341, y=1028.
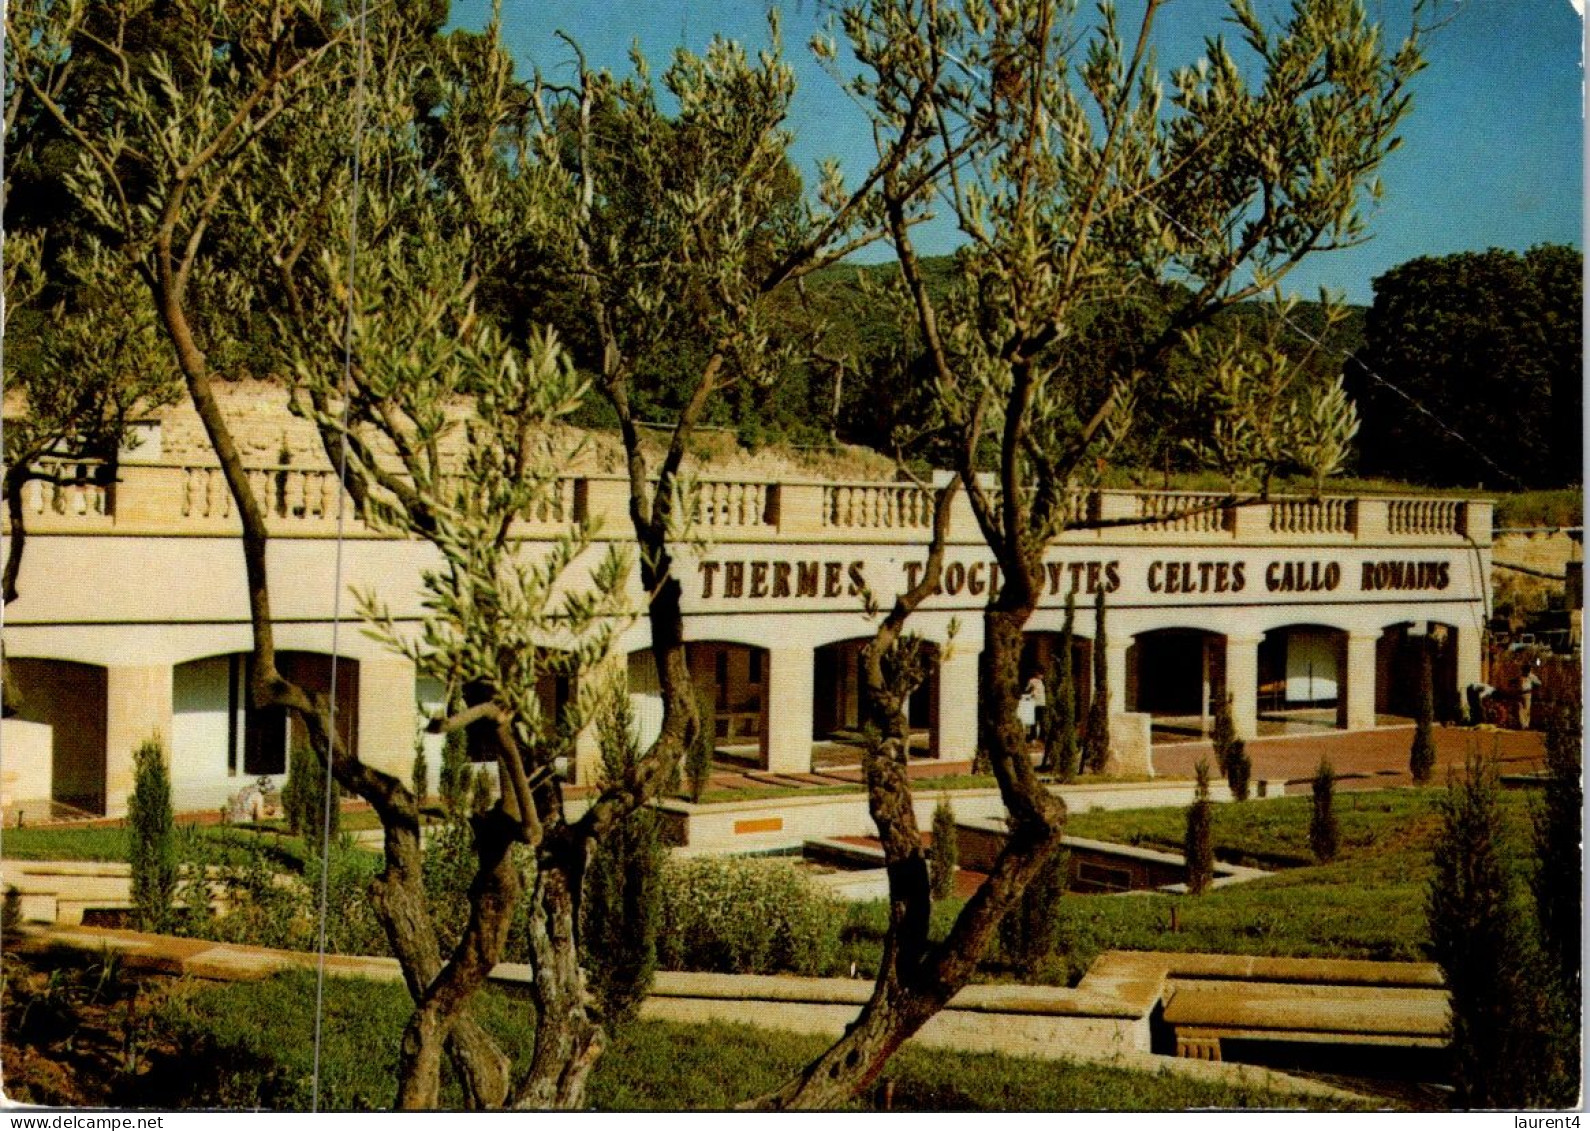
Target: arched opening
x=554, y=693
x=731, y=681
x=209, y=718
x=1397, y=670
x=55, y=749
x=270, y=733
x=1176, y=675
x=1040, y=656
x=1302, y=678
x=837, y=680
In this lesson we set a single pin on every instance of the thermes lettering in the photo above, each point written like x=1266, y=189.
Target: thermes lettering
x=759, y=580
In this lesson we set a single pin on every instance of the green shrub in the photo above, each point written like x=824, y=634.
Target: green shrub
x=740, y=916
x=623, y=885
x=151, y=840
x=351, y=923
x=1198, y=846
x=480, y=797
x=194, y=895
x=449, y=870
x=264, y=905
x=1030, y=931
x=946, y=850
x=1323, y=833
x=304, y=797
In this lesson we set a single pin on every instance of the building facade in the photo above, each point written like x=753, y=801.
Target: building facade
x=133, y=617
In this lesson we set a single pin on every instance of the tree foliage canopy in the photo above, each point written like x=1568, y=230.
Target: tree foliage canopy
x=1472, y=369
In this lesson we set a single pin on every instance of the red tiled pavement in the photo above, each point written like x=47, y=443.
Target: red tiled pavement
x=1382, y=755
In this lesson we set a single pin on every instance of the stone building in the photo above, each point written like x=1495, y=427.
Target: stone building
x=133, y=618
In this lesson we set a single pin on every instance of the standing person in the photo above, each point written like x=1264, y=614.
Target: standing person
x=1038, y=695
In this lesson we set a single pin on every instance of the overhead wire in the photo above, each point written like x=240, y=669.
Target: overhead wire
x=330, y=793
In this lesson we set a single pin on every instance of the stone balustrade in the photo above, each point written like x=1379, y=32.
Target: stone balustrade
x=164, y=499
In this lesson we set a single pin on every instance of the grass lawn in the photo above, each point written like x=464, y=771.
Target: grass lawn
x=251, y=1047
x=1368, y=904
x=109, y=843
x=1273, y=833
x=64, y=843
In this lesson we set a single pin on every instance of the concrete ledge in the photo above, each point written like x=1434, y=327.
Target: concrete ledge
x=740, y=826
x=1330, y=971
x=1004, y=998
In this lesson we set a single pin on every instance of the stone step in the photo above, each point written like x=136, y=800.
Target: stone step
x=1352, y=1014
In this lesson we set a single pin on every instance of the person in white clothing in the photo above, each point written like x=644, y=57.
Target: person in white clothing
x=1036, y=699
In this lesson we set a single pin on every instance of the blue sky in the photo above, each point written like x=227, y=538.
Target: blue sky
x=1492, y=153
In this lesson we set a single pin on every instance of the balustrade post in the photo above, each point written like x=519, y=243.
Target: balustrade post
x=1371, y=519
x=1476, y=520
x=1252, y=520
x=799, y=508
x=605, y=501
x=149, y=495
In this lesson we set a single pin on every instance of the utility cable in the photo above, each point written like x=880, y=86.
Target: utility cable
x=329, y=798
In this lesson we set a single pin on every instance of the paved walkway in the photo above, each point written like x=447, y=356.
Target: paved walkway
x=1375, y=759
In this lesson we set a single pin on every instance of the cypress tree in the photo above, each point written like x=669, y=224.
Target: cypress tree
x=1558, y=879
x=1239, y=769
x=456, y=775
x=151, y=838
x=1096, y=743
x=1323, y=835
x=1421, y=759
x=1506, y=1034
x=1061, y=751
x=304, y=796
x=1199, y=843
x=622, y=905
x=1030, y=931
x=421, y=773
x=1225, y=733
x=698, y=758
x=946, y=851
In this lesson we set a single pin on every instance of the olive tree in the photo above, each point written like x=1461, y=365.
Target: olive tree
x=677, y=260
x=232, y=183
x=1076, y=181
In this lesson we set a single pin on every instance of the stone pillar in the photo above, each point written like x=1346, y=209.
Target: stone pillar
x=1115, y=668
x=615, y=669
x=955, y=717
x=1358, y=698
x=1242, y=683
x=387, y=718
x=137, y=708
x=789, y=710
x=1470, y=662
